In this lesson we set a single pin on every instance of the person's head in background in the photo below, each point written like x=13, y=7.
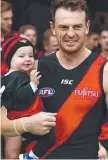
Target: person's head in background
x=6, y=19
x=29, y=32
x=92, y=38
x=18, y=57
x=104, y=41
x=50, y=42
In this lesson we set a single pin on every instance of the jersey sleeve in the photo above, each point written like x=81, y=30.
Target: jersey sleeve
x=21, y=88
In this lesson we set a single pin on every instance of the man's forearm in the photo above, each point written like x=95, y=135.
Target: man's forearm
x=8, y=126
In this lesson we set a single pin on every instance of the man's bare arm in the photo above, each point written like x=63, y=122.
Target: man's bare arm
x=39, y=124
x=103, y=154
x=105, y=83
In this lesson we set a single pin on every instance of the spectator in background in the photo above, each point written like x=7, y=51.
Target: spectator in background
x=104, y=41
x=50, y=43
x=12, y=144
x=92, y=38
x=29, y=32
x=6, y=19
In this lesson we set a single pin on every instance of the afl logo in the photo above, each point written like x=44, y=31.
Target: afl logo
x=46, y=92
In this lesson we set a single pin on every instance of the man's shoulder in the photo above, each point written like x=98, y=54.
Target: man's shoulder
x=46, y=61
x=48, y=57
x=106, y=67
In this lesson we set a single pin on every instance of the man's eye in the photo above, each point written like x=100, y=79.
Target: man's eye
x=77, y=27
x=64, y=27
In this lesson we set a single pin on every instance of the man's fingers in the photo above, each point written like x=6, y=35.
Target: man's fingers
x=49, y=124
x=49, y=114
x=50, y=119
x=48, y=128
x=46, y=132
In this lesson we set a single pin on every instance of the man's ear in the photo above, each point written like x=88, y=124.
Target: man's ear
x=87, y=27
x=52, y=26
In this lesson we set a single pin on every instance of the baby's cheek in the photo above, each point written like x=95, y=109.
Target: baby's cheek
x=34, y=65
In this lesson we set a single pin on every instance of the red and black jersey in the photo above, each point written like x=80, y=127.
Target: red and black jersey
x=77, y=96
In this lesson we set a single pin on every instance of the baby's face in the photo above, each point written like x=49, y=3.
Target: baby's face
x=23, y=59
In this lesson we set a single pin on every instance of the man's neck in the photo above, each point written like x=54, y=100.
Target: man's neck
x=2, y=37
x=70, y=61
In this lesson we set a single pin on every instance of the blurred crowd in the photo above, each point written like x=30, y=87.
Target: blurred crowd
x=96, y=40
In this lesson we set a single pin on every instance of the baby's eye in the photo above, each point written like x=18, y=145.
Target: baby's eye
x=20, y=56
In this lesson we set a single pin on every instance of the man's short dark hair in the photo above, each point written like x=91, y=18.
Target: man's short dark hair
x=73, y=5
x=5, y=6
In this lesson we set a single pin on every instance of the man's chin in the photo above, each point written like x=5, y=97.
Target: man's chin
x=8, y=30
x=70, y=51
x=6, y=33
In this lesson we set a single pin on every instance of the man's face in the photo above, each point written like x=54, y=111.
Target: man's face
x=70, y=29
x=6, y=21
x=104, y=40
x=92, y=41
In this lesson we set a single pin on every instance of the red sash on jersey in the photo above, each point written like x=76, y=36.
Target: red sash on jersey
x=36, y=107
x=104, y=132
x=71, y=112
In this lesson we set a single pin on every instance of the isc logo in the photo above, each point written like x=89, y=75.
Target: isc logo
x=46, y=92
x=67, y=81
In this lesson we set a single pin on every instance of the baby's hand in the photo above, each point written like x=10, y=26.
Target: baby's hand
x=34, y=77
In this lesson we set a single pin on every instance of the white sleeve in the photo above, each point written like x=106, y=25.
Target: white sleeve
x=2, y=90
x=34, y=87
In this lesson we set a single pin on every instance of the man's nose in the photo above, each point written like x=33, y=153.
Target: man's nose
x=10, y=21
x=71, y=32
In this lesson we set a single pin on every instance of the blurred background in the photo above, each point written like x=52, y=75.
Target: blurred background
x=37, y=13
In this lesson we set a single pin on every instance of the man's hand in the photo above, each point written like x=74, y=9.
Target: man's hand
x=40, y=123
x=102, y=153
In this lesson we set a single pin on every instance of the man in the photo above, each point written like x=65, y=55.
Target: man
x=6, y=19
x=104, y=41
x=92, y=38
x=74, y=84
